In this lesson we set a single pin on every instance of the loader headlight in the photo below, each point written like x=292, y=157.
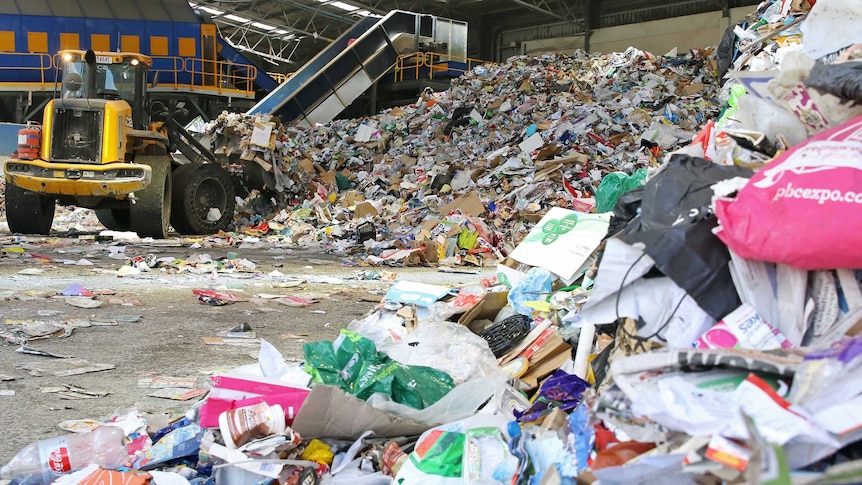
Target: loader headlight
x=17, y=167
x=130, y=173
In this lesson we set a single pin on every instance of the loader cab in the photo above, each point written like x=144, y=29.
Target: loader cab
x=107, y=75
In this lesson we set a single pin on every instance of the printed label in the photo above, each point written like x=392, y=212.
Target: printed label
x=55, y=453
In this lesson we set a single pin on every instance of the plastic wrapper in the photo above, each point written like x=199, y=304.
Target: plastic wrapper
x=353, y=363
x=487, y=460
x=583, y=437
x=768, y=117
x=734, y=94
x=462, y=401
x=466, y=299
x=536, y=285
x=828, y=376
x=816, y=111
x=178, y=445
x=561, y=390
x=318, y=451
x=446, y=346
x=380, y=327
x=615, y=184
x=438, y=456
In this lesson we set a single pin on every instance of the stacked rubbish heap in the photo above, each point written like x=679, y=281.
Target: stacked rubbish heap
x=704, y=329
x=520, y=137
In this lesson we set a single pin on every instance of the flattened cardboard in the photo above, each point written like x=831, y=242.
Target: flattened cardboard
x=469, y=204
x=562, y=241
x=352, y=197
x=329, y=412
x=428, y=251
x=567, y=160
x=307, y=165
x=428, y=225
x=546, y=360
x=364, y=209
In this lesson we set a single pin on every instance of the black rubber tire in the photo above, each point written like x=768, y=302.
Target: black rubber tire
x=115, y=219
x=27, y=212
x=150, y=213
x=197, y=189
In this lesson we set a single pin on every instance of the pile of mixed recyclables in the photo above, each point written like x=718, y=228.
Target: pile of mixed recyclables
x=705, y=330
x=510, y=140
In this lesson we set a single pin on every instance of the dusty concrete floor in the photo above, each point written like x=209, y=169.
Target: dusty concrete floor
x=168, y=338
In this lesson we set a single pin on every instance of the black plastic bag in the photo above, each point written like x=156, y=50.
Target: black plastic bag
x=726, y=51
x=696, y=260
x=460, y=117
x=675, y=224
x=843, y=80
x=681, y=193
x=627, y=208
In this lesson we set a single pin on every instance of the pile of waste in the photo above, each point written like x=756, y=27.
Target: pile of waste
x=704, y=328
x=471, y=169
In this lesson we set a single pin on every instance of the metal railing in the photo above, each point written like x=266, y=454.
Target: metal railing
x=427, y=65
x=27, y=63
x=167, y=72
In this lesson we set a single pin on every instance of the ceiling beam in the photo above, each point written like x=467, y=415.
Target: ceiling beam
x=541, y=6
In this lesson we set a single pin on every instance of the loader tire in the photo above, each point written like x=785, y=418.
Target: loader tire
x=115, y=219
x=28, y=212
x=150, y=213
x=199, y=188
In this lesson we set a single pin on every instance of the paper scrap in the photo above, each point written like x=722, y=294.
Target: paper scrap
x=64, y=367
x=177, y=393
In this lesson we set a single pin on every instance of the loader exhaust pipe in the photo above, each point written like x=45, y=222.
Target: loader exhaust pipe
x=90, y=59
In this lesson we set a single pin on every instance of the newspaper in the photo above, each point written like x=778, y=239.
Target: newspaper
x=781, y=362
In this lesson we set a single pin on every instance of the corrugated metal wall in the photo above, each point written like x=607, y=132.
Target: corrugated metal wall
x=157, y=10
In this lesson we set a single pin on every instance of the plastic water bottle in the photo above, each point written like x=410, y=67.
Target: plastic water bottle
x=44, y=461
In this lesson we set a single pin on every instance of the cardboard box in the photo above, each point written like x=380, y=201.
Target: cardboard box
x=329, y=412
x=234, y=390
x=487, y=308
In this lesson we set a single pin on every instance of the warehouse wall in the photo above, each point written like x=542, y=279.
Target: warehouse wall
x=658, y=36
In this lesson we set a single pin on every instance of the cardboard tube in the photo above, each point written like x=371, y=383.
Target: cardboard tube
x=585, y=347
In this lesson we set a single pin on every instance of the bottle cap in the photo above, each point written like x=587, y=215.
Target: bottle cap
x=278, y=424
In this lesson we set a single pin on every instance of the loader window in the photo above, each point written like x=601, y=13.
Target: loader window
x=113, y=81
x=73, y=80
x=117, y=78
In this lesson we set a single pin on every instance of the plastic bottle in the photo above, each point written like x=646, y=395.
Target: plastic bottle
x=44, y=461
x=240, y=425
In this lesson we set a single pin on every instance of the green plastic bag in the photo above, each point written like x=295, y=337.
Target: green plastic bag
x=614, y=185
x=342, y=182
x=353, y=364
x=467, y=239
x=441, y=454
x=732, y=107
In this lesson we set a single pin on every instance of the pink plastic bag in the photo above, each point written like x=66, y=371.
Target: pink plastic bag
x=804, y=208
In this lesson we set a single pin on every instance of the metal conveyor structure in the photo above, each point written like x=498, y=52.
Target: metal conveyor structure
x=352, y=63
